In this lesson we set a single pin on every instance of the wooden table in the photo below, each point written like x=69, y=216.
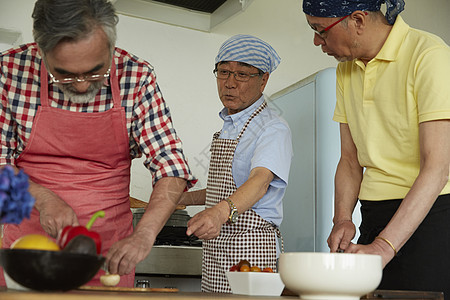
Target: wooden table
x=6, y=294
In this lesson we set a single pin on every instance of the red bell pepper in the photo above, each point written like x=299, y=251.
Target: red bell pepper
x=69, y=232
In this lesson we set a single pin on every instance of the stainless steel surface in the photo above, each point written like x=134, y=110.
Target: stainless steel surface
x=178, y=255
x=172, y=260
x=182, y=283
x=142, y=283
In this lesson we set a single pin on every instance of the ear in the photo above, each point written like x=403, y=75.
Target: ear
x=264, y=78
x=359, y=18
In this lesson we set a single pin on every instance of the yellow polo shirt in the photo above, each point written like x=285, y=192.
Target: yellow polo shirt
x=407, y=83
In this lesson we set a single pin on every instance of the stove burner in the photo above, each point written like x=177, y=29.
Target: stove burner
x=191, y=243
x=176, y=236
x=174, y=231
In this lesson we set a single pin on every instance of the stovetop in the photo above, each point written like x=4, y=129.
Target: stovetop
x=176, y=236
x=174, y=231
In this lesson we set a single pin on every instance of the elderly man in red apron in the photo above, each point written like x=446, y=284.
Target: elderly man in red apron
x=75, y=111
x=249, y=167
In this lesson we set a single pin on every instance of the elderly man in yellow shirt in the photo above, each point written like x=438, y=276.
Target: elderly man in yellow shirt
x=393, y=106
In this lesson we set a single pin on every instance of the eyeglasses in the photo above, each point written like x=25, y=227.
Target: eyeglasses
x=321, y=32
x=79, y=78
x=238, y=75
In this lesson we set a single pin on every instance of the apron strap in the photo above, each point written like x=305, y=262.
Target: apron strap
x=115, y=85
x=44, y=85
x=280, y=236
x=254, y=114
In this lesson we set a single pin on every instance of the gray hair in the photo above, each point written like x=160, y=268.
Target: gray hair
x=72, y=20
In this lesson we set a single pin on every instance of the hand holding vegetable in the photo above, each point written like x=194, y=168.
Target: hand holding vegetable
x=80, y=239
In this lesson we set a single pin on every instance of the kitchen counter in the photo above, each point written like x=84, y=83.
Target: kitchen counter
x=6, y=294
x=99, y=295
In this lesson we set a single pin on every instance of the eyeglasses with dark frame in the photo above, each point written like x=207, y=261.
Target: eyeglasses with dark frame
x=79, y=78
x=238, y=75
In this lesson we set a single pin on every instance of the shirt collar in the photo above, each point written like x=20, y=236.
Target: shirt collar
x=241, y=116
x=391, y=47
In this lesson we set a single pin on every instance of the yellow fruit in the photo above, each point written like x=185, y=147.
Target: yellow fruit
x=35, y=242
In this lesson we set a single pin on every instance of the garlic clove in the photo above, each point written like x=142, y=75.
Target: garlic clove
x=110, y=279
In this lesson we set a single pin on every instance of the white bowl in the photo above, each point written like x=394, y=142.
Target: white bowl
x=255, y=283
x=11, y=284
x=330, y=275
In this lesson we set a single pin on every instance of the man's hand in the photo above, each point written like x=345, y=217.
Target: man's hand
x=341, y=235
x=207, y=223
x=377, y=247
x=55, y=214
x=125, y=254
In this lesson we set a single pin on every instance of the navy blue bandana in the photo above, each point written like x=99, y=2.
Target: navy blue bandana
x=340, y=8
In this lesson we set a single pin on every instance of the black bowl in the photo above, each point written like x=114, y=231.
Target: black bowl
x=49, y=270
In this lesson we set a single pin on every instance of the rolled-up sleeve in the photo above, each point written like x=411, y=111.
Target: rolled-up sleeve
x=153, y=131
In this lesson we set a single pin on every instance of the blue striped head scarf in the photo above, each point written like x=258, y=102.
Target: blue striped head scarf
x=250, y=50
x=340, y=8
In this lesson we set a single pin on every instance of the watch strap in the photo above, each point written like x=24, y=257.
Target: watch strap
x=233, y=212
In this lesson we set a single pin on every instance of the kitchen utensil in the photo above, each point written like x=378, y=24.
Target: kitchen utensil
x=49, y=270
x=255, y=283
x=330, y=275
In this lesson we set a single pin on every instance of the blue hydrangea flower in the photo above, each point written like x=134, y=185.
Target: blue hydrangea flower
x=16, y=202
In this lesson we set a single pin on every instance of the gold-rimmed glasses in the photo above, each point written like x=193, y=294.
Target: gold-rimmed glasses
x=79, y=78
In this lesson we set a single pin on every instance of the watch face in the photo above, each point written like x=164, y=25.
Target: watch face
x=234, y=216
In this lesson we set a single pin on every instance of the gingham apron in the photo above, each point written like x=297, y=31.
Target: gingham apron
x=251, y=237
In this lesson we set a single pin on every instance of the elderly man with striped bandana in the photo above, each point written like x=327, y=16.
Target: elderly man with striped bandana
x=393, y=106
x=249, y=167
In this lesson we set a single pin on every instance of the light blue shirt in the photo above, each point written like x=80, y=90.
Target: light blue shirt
x=265, y=143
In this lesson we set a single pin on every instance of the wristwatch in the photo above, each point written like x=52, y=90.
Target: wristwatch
x=232, y=218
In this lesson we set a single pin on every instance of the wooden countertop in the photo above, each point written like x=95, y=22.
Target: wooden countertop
x=6, y=294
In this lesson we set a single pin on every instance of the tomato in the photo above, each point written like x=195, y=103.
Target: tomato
x=244, y=268
x=243, y=262
x=234, y=268
x=255, y=269
x=268, y=270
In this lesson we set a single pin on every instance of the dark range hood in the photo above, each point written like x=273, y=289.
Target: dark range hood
x=207, y=6
x=201, y=15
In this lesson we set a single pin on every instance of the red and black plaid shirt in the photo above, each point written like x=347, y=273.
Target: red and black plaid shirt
x=149, y=122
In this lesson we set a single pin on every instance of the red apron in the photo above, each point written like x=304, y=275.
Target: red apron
x=83, y=158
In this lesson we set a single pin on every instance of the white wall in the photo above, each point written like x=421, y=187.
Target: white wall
x=184, y=60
